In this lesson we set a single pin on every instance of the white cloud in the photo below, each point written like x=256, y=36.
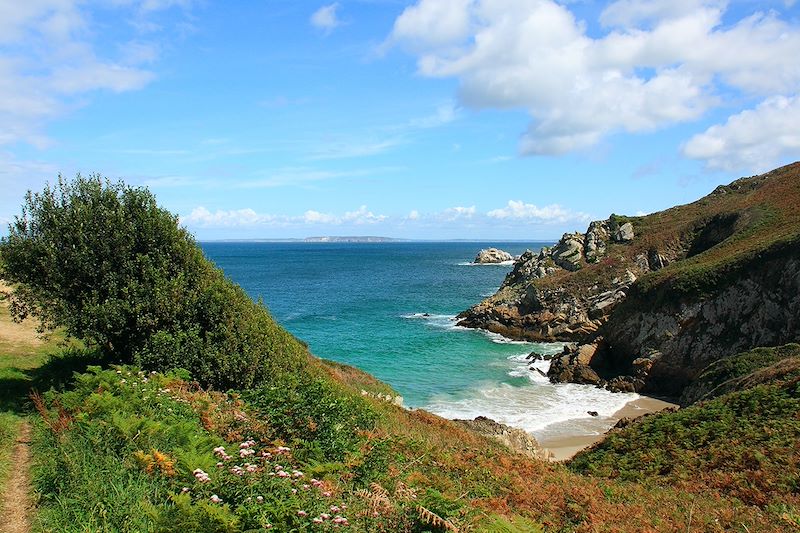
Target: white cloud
x=413, y=215
x=202, y=217
x=755, y=139
x=445, y=114
x=51, y=61
x=363, y=216
x=660, y=63
x=325, y=18
x=520, y=211
x=315, y=217
x=458, y=212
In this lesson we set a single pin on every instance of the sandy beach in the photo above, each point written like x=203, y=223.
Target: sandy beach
x=564, y=448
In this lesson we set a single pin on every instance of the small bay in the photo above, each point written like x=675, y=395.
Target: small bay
x=389, y=308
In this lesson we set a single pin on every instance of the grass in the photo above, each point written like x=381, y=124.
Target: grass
x=743, y=444
x=9, y=424
x=736, y=371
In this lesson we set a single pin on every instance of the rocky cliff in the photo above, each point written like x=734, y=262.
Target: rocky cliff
x=650, y=301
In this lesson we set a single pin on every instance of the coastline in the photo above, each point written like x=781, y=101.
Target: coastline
x=564, y=448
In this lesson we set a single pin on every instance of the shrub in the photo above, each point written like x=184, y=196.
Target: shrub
x=104, y=262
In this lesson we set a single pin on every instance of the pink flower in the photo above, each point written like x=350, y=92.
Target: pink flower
x=294, y=491
x=297, y=473
x=302, y=513
x=326, y=494
x=283, y=473
x=201, y=476
x=215, y=499
x=317, y=520
x=324, y=516
x=184, y=490
x=335, y=509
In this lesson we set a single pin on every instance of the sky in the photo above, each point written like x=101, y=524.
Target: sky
x=427, y=119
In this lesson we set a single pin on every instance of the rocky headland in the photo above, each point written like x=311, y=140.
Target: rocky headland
x=648, y=302
x=492, y=255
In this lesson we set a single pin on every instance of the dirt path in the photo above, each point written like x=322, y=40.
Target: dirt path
x=16, y=500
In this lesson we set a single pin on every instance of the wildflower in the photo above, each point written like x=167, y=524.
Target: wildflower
x=283, y=449
x=278, y=467
x=201, y=476
x=335, y=509
x=324, y=516
x=297, y=473
x=123, y=380
x=302, y=513
x=294, y=491
x=266, y=455
x=251, y=468
x=306, y=486
x=184, y=490
x=260, y=499
x=340, y=520
x=317, y=520
x=215, y=499
x=316, y=482
x=119, y=371
x=326, y=494
x=283, y=473
x=220, y=464
x=267, y=526
x=246, y=452
x=237, y=470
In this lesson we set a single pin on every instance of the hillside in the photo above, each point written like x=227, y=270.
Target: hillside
x=206, y=415
x=651, y=301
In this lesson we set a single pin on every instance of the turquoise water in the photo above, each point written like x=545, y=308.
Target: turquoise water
x=365, y=305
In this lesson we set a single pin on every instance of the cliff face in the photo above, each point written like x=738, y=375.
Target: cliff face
x=651, y=301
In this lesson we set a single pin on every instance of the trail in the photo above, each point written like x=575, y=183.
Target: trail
x=16, y=500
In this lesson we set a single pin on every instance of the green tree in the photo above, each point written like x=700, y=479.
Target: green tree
x=104, y=262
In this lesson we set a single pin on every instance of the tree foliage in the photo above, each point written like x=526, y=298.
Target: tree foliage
x=104, y=262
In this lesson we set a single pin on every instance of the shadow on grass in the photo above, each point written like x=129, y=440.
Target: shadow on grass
x=56, y=373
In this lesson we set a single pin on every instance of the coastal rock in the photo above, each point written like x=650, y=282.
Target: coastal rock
x=595, y=242
x=624, y=233
x=514, y=438
x=493, y=255
x=573, y=365
x=528, y=309
x=568, y=253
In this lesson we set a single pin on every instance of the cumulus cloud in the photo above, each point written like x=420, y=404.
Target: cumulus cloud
x=363, y=216
x=202, y=217
x=658, y=62
x=754, y=139
x=50, y=61
x=458, y=212
x=518, y=210
x=325, y=18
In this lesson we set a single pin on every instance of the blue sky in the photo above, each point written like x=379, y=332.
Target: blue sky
x=434, y=119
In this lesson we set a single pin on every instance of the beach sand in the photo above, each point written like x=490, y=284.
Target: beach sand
x=564, y=448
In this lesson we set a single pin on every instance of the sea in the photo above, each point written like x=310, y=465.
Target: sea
x=389, y=309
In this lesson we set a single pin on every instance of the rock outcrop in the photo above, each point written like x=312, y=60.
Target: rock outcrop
x=651, y=301
x=493, y=255
x=514, y=438
x=553, y=312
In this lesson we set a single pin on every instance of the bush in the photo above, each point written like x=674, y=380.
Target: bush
x=104, y=262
